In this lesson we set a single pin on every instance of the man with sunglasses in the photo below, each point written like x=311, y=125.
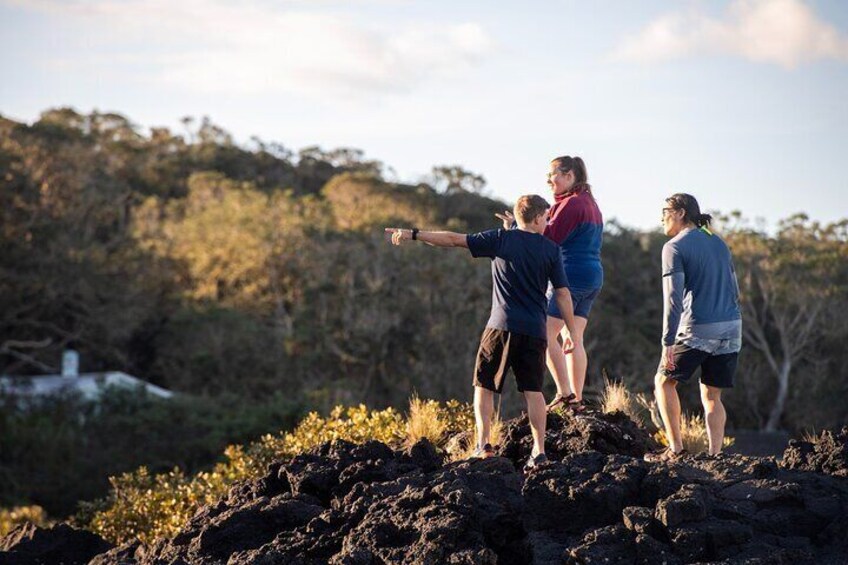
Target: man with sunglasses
x=702, y=324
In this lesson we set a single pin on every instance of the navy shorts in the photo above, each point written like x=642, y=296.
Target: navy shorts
x=501, y=350
x=716, y=370
x=582, y=300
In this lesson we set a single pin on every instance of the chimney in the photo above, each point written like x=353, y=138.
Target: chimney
x=70, y=363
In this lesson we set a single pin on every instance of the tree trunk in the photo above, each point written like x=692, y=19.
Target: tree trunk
x=780, y=401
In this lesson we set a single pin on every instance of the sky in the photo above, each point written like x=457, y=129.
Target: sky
x=741, y=102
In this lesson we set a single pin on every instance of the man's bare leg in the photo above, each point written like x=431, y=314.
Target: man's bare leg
x=538, y=414
x=714, y=417
x=576, y=361
x=665, y=391
x=484, y=408
x=555, y=358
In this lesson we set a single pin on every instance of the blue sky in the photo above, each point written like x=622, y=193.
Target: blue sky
x=741, y=102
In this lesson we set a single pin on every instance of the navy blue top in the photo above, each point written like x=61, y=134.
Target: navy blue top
x=522, y=264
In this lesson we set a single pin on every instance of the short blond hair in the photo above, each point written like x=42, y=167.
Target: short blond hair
x=529, y=207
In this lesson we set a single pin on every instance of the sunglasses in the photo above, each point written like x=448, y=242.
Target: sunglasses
x=667, y=212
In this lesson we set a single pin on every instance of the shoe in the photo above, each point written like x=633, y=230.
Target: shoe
x=534, y=462
x=576, y=406
x=665, y=455
x=561, y=401
x=484, y=452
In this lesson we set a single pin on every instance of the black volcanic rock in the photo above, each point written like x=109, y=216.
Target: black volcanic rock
x=689, y=504
x=468, y=512
x=596, y=501
x=129, y=552
x=29, y=544
x=613, y=434
x=828, y=455
x=584, y=490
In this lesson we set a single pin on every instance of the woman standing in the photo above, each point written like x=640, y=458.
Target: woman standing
x=575, y=223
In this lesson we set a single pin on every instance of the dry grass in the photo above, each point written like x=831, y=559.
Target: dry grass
x=649, y=406
x=424, y=421
x=617, y=398
x=810, y=436
x=693, y=431
x=465, y=449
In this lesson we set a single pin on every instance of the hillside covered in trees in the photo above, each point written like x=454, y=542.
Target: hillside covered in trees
x=238, y=274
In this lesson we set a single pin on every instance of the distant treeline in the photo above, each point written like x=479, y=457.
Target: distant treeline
x=208, y=267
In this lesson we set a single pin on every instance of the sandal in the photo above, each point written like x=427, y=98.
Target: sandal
x=576, y=406
x=665, y=455
x=560, y=400
x=534, y=462
x=484, y=452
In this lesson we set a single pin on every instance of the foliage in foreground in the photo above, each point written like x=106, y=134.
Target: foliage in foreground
x=640, y=408
x=55, y=451
x=11, y=518
x=643, y=410
x=149, y=506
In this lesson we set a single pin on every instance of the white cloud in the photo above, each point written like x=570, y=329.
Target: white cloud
x=251, y=47
x=782, y=32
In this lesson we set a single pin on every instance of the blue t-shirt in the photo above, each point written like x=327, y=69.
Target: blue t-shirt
x=700, y=291
x=522, y=264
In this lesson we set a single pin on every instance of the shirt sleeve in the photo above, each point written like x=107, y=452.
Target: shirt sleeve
x=484, y=244
x=564, y=221
x=672, y=262
x=735, y=281
x=557, y=275
x=673, y=283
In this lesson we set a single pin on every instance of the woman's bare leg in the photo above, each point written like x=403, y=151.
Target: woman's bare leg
x=576, y=361
x=555, y=358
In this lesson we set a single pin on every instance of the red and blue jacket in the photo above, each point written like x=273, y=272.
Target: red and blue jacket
x=575, y=224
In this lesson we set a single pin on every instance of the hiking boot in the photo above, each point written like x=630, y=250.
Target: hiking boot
x=484, y=452
x=665, y=455
x=534, y=462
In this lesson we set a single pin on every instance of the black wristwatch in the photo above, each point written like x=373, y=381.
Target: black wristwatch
x=414, y=233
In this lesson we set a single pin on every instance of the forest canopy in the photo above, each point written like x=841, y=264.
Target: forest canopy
x=212, y=268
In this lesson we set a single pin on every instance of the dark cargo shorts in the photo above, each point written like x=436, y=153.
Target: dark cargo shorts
x=716, y=370
x=501, y=350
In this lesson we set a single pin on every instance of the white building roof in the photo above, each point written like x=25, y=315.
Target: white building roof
x=90, y=385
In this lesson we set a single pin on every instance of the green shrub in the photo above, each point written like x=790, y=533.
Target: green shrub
x=149, y=507
x=11, y=518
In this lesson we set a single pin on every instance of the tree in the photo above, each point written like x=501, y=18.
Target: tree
x=362, y=202
x=450, y=179
x=788, y=282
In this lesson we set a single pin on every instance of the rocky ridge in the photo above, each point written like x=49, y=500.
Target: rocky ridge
x=595, y=502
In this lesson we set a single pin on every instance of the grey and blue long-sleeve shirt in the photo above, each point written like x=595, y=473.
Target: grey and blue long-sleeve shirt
x=700, y=293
